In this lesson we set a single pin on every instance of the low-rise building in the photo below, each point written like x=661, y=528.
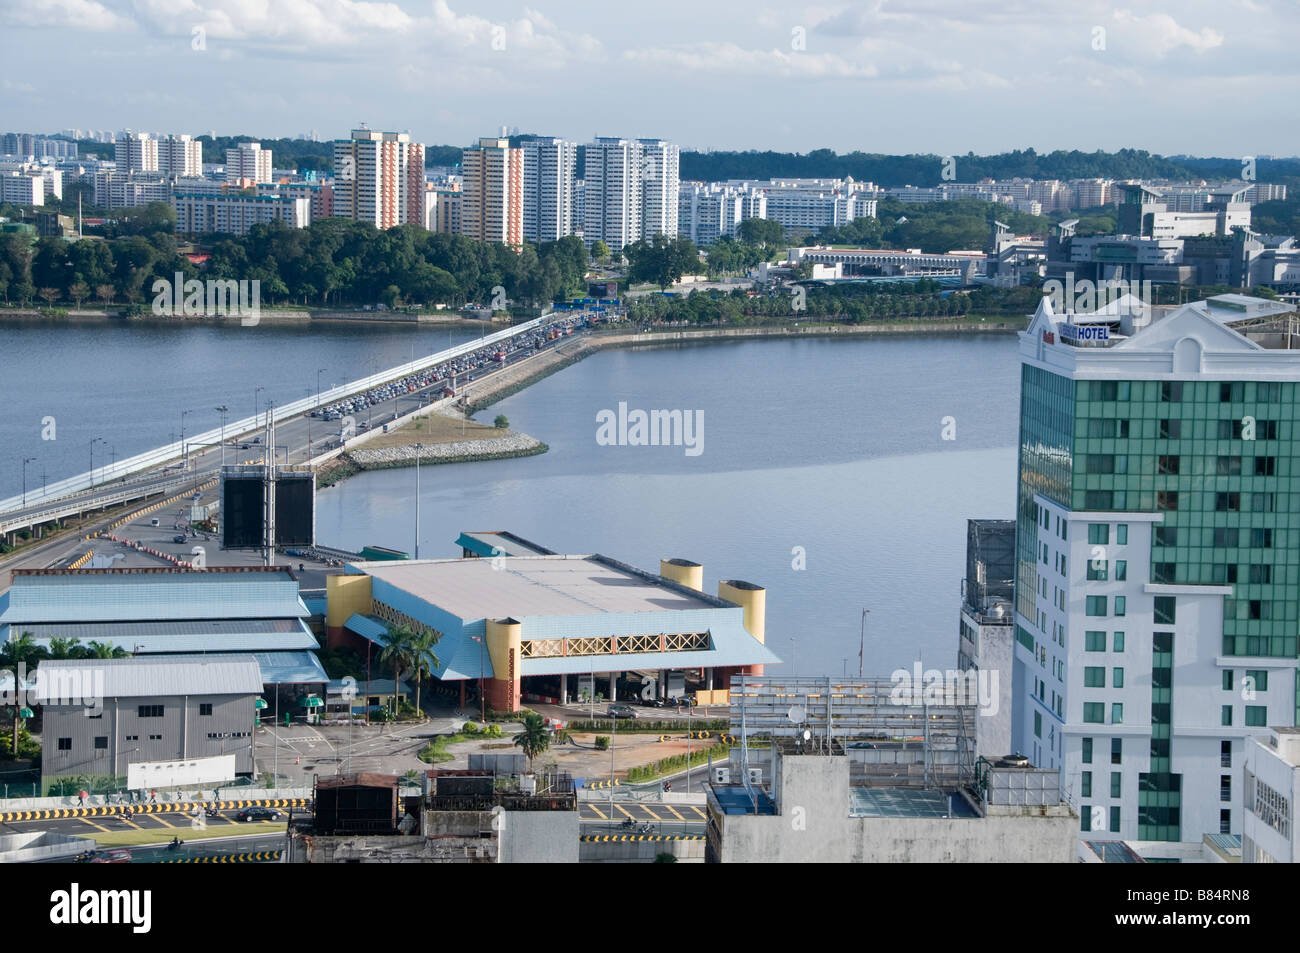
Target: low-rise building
x=234, y=213
x=1271, y=792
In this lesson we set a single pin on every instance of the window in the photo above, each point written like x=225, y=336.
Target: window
x=1225, y=716
x=1225, y=787
x=1121, y=534
x=1086, y=751
x=1228, y=466
x=1261, y=574
x=1094, y=641
x=1171, y=429
x=1167, y=535
x=1225, y=754
x=1165, y=610
x=1101, y=499
x=65, y=744
x=1164, y=572
x=1099, y=463
x=1225, y=537
x=1227, y=502
x=1256, y=716
x=1261, y=502
x=1171, y=391
x=1116, y=750
x=1265, y=466
x=1085, y=784
x=1097, y=571
x=1227, y=680
x=1223, y=573
x=1105, y=390
x=1117, y=678
x=1225, y=821
x=150, y=711
x=1094, y=676
x=1231, y=393
x=1085, y=818
x=132, y=737
x=1259, y=679
x=1269, y=393
x=1121, y=569
x=1038, y=724
x=101, y=742
x=1098, y=533
x=1121, y=604
x=205, y=708
x=1094, y=713
x=1261, y=539
x=1167, y=465
x=1166, y=500
x=1114, y=819
x=1116, y=713
x=1096, y=605
x=1119, y=642
x=1115, y=783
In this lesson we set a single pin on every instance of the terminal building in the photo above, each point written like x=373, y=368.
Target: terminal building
x=535, y=625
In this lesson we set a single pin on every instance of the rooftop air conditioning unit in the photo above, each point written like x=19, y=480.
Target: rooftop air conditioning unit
x=721, y=775
x=755, y=775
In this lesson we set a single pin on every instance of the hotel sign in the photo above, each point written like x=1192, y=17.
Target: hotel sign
x=1085, y=332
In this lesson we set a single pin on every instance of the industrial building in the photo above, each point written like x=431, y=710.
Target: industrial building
x=531, y=624
x=102, y=715
x=855, y=771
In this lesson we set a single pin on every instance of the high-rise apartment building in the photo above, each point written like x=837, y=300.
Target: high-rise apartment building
x=631, y=190
x=549, y=171
x=1157, y=556
x=136, y=152
x=174, y=155
x=492, y=192
x=248, y=161
x=379, y=178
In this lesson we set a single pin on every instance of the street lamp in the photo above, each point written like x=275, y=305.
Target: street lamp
x=419, y=447
x=256, y=391
x=26, y=460
x=223, y=410
x=318, y=374
x=93, y=441
x=184, y=453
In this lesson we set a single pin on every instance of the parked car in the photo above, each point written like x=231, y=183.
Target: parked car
x=620, y=711
x=258, y=814
x=178, y=538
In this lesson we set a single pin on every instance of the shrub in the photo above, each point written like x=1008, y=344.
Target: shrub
x=602, y=742
x=469, y=728
x=492, y=731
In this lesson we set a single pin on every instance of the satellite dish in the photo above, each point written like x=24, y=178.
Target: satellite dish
x=807, y=735
x=797, y=714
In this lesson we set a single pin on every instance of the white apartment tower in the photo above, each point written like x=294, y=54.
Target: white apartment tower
x=631, y=190
x=1157, y=557
x=136, y=152
x=248, y=161
x=549, y=170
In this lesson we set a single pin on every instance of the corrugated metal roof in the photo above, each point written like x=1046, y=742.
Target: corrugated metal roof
x=238, y=635
x=155, y=676
x=500, y=543
x=290, y=668
x=99, y=597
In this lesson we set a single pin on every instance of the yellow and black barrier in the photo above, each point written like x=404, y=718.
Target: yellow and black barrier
x=635, y=838
x=115, y=810
x=605, y=784
x=256, y=857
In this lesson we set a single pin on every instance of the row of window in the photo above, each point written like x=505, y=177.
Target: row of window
x=1256, y=716
x=1233, y=392
x=1096, y=642
x=1085, y=784
x=1171, y=465
x=1248, y=428
x=1256, y=680
x=1094, y=713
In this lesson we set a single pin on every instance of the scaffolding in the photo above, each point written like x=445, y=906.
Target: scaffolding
x=896, y=737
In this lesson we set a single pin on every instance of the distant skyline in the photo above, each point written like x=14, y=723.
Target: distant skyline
x=887, y=76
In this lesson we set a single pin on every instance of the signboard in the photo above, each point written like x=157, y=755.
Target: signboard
x=1085, y=332
x=147, y=775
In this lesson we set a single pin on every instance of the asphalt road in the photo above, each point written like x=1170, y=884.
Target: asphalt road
x=167, y=825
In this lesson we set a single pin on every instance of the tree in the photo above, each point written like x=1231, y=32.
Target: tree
x=600, y=252
x=105, y=293
x=534, y=739
x=501, y=423
x=104, y=650
x=764, y=232
x=423, y=660
x=398, y=654
x=79, y=291
x=48, y=295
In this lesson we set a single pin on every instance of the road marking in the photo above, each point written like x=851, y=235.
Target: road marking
x=93, y=824
x=599, y=812
x=646, y=808
x=701, y=814
x=625, y=811
x=159, y=818
x=673, y=811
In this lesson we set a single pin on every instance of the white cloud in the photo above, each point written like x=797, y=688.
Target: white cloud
x=1160, y=34
x=75, y=14
x=735, y=60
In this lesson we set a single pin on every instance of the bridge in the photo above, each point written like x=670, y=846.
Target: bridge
x=171, y=468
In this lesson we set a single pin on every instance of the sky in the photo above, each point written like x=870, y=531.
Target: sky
x=1199, y=77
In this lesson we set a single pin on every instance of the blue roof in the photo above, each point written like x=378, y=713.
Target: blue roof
x=236, y=635
x=130, y=597
x=290, y=668
x=368, y=627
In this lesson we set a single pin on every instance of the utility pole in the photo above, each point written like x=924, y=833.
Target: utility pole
x=862, y=643
x=419, y=447
x=223, y=410
x=26, y=460
x=268, y=496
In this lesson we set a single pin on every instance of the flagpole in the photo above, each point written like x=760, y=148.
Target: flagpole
x=862, y=643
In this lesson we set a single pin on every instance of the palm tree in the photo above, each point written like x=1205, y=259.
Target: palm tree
x=534, y=739
x=424, y=661
x=104, y=650
x=22, y=650
x=398, y=653
x=66, y=648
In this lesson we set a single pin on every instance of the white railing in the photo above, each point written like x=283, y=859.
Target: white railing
x=152, y=458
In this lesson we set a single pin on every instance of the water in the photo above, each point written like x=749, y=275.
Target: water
x=829, y=448
x=127, y=382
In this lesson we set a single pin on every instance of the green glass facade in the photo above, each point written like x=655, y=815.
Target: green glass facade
x=1047, y=418
x=1159, y=791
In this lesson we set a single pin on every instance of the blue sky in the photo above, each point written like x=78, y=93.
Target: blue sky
x=942, y=76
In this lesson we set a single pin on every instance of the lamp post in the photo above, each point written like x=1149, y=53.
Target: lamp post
x=223, y=410
x=256, y=391
x=862, y=643
x=419, y=447
x=185, y=456
x=319, y=372
x=93, y=441
x=26, y=460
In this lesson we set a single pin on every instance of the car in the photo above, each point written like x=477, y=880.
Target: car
x=115, y=856
x=178, y=538
x=620, y=711
x=258, y=814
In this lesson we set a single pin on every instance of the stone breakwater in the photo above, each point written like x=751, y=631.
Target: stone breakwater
x=459, y=451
